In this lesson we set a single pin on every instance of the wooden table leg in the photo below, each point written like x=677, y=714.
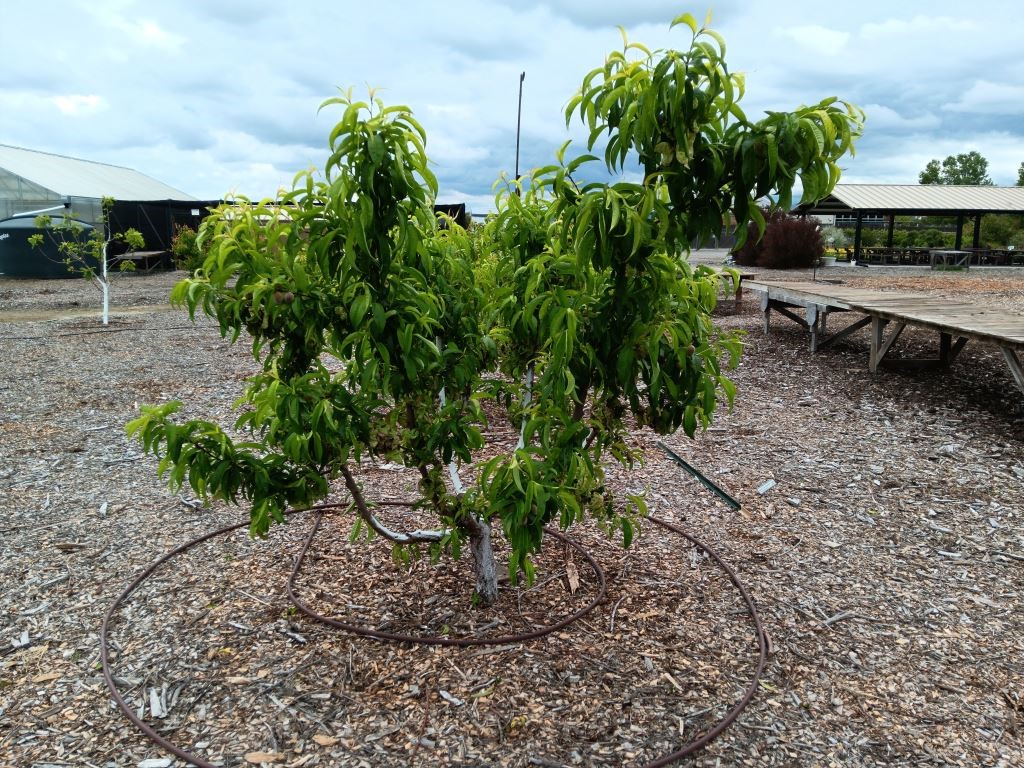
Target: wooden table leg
x=1015, y=367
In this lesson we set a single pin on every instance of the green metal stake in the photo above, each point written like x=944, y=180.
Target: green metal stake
x=697, y=474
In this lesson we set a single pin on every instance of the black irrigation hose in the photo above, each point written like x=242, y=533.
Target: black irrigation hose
x=762, y=647
x=458, y=642
x=664, y=760
x=108, y=677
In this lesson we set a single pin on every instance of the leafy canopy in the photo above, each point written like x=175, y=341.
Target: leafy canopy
x=83, y=249
x=966, y=168
x=382, y=332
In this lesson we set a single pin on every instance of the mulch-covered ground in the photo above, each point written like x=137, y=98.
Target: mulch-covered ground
x=886, y=559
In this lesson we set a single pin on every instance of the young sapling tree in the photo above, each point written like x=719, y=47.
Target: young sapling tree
x=379, y=332
x=86, y=250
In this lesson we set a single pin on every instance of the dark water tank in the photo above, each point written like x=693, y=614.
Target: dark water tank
x=19, y=258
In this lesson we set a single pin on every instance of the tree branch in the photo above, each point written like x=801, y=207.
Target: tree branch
x=414, y=537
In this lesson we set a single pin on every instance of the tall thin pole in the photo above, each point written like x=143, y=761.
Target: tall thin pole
x=519, y=120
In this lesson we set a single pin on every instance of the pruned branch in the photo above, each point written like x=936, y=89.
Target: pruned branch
x=413, y=537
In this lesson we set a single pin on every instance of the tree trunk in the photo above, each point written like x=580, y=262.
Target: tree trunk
x=106, y=302
x=483, y=561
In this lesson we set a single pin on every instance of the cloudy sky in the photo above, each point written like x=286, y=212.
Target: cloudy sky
x=221, y=97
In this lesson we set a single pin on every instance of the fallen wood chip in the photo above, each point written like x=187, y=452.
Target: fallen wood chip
x=263, y=757
x=324, y=741
x=841, y=616
x=157, y=704
x=293, y=635
x=71, y=546
x=675, y=683
x=451, y=699
x=573, y=575
x=33, y=611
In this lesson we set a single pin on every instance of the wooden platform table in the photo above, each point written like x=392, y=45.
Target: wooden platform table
x=889, y=313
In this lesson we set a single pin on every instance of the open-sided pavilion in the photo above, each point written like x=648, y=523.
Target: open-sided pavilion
x=891, y=200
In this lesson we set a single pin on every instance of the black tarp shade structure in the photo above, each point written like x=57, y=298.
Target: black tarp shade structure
x=158, y=220
x=20, y=258
x=457, y=211
x=892, y=200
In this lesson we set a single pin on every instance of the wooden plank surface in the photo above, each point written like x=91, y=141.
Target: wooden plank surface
x=945, y=315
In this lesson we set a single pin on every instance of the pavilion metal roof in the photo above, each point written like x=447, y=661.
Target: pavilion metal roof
x=71, y=177
x=918, y=199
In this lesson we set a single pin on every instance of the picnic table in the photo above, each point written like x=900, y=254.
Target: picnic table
x=951, y=258
x=896, y=255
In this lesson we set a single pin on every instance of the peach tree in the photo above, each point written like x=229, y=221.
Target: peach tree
x=85, y=249
x=381, y=332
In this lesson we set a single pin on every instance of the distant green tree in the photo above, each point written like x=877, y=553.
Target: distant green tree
x=1020, y=175
x=966, y=168
x=186, y=250
x=997, y=231
x=834, y=237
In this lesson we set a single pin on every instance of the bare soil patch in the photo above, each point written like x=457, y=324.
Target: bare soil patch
x=887, y=562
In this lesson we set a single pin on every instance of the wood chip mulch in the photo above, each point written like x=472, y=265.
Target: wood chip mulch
x=885, y=551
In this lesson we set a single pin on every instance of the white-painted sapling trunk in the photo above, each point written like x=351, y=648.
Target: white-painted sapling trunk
x=105, y=285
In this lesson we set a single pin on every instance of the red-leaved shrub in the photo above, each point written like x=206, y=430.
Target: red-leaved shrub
x=789, y=242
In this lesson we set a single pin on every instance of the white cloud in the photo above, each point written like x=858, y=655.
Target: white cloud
x=442, y=148
x=990, y=98
x=916, y=27
x=129, y=30
x=212, y=97
x=881, y=117
x=151, y=33
x=820, y=40
x=78, y=104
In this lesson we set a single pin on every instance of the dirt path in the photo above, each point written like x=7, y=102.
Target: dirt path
x=73, y=313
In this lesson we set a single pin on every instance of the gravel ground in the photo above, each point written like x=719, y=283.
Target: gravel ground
x=887, y=561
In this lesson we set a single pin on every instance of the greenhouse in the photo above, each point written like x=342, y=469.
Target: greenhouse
x=35, y=182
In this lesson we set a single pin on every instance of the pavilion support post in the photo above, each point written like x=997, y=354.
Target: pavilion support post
x=959, y=232
x=892, y=226
x=857, y=237
x=977, y=231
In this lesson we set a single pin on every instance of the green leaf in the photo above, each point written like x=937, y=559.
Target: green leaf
x=358, y=309
x=686, y=19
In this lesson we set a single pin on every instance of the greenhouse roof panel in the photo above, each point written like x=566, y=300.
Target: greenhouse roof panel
x=71, y=177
